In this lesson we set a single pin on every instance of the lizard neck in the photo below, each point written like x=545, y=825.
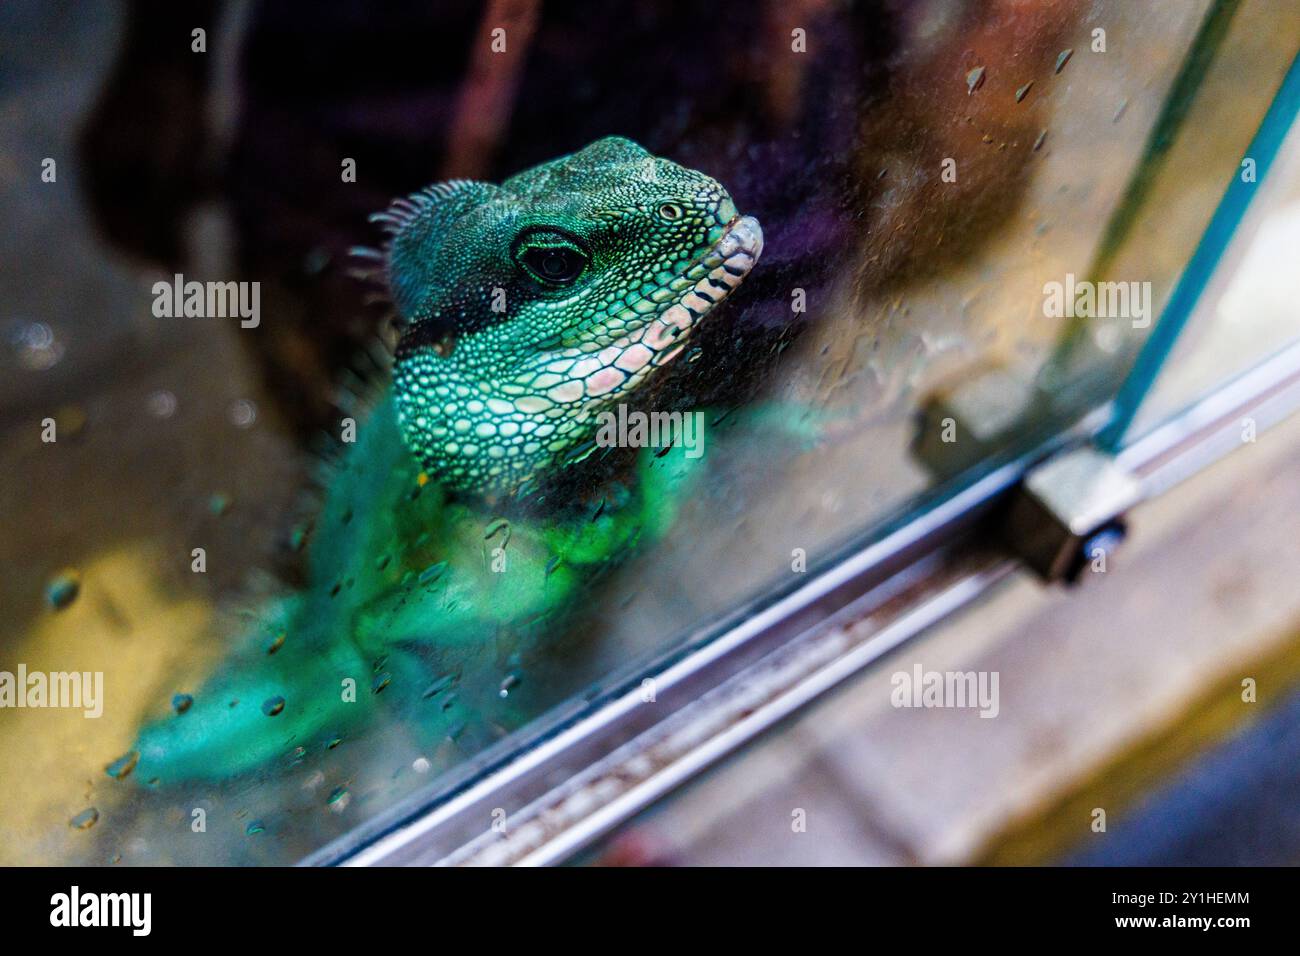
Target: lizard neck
x=473, y=432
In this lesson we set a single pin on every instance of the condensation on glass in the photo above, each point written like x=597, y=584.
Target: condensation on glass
x=925, y=173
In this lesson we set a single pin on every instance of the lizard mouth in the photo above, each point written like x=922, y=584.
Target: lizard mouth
x=581, y=377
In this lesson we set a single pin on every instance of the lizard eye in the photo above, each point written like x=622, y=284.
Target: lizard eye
x=670, y=211
x=553, y=263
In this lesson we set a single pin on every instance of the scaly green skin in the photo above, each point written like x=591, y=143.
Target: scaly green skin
x=529, y=307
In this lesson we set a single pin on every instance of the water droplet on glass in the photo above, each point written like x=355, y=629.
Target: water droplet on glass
x=182, y=702
x=438, y=686
x=421, y=765
x=339, y=798
x=1063, y=58
x=37, y=347
x=277, y=642
x=380, y=682
x=161, y=404
x=85, y=819
x=272, y=706
x=433, y=572
x=243, y=413
x=1108, y=337
x=219, y=504
x=32, y=335
x=511, y=681
x=255, y=827
x=63, y=589
x=1024, y=90
x=123, y=765
x=1038, y=143
x=974, y=80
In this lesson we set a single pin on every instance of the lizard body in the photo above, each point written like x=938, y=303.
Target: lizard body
x=528, y=308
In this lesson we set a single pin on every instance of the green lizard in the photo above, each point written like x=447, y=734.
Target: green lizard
x=446, y=530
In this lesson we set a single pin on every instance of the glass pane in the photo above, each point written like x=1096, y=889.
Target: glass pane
x=1243, y=318
x=277, y=672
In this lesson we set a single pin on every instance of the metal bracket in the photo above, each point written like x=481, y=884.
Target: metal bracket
x=1070, y=510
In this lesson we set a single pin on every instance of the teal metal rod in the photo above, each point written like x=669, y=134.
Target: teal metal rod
x=1191, y=285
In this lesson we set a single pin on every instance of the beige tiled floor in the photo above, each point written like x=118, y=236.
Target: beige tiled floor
x=1202, y=595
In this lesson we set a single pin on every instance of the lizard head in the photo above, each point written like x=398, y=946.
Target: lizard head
x=531, y=306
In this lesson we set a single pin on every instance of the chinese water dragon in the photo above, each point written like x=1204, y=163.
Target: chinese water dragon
x=527, y=308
